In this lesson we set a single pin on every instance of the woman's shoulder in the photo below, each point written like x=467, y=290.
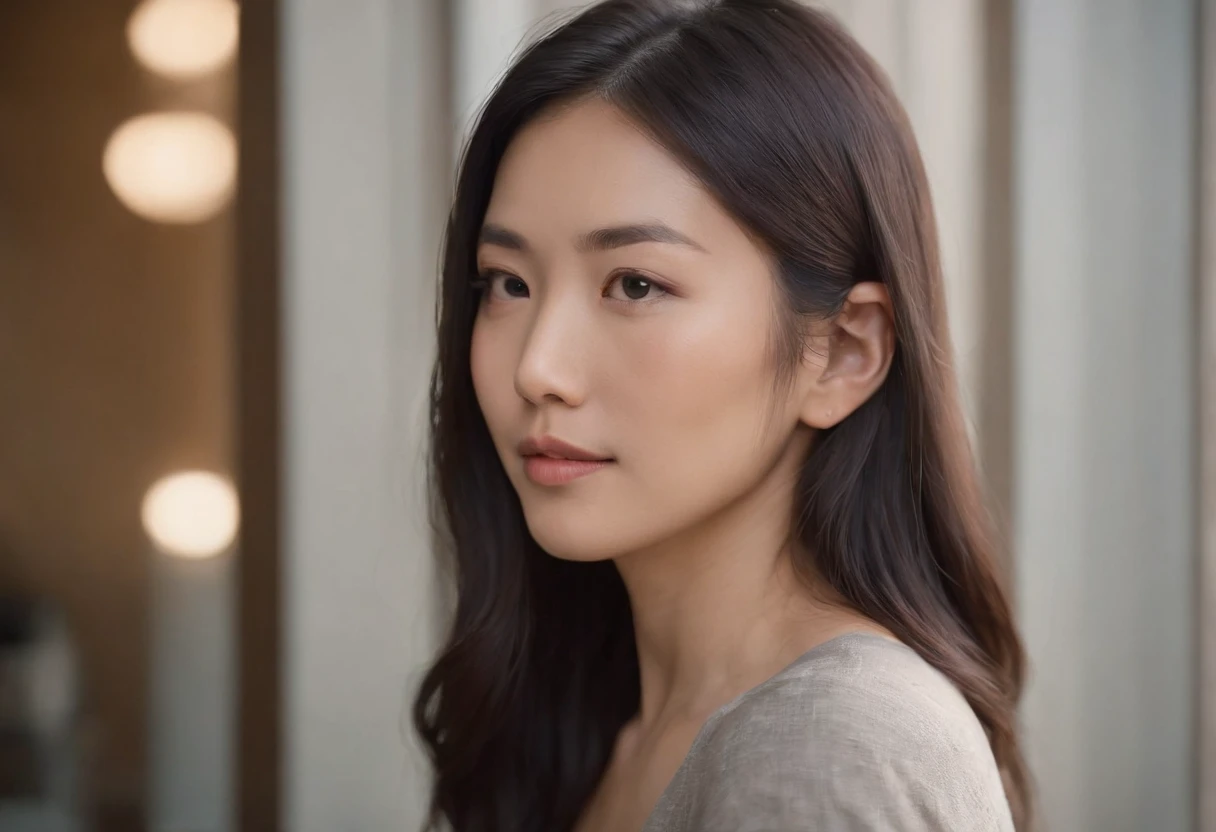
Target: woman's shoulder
x=860, y=733
x=860, y=686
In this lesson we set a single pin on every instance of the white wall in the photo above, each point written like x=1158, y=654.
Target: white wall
x=1104, y=445
x=365, y=180
x=486, y=34
x=1207, y=392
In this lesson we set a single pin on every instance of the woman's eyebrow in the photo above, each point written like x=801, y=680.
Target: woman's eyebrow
x=629, y=235
x=601, y=239
x=496, y=235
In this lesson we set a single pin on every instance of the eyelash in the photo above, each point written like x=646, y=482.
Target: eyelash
x=484, y=282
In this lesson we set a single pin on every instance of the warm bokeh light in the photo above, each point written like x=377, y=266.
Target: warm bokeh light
x=192, y=514
x=172, y=167
x=184, y=38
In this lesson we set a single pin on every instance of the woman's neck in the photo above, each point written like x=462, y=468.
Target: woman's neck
x=721, y=609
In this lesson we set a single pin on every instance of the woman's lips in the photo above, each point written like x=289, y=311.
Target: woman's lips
x=552, y=461
x=547, y=470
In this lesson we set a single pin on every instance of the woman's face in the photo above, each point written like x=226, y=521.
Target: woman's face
x=627, y=315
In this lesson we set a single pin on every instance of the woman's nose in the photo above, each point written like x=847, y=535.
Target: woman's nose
x=550, y=365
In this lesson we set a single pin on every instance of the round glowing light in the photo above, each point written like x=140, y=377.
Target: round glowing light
x=184, y=38
x=192, y=514
x=172, y=167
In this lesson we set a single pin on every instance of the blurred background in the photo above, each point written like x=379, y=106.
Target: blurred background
x=215, y=583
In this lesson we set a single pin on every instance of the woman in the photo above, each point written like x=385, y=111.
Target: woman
x=721, y=560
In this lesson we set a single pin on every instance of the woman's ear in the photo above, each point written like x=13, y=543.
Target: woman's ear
x=853, y=354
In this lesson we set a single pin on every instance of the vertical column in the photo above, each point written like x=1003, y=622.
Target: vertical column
x=1052, y=356
x=191, y=694
x=365, y=131
x=942, y=86
x=1104, y=173
x=486, y=35
x=1207, y=424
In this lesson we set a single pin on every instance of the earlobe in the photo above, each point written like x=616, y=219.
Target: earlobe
x=857, y=353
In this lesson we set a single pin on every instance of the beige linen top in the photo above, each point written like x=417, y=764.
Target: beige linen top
x=860, y=734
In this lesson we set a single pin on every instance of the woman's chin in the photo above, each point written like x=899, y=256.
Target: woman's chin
x=577, y=539
x=575, y=548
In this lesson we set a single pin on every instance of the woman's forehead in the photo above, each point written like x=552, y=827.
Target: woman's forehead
x=588, y=167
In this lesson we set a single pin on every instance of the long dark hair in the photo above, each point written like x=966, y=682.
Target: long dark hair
x=795, y=130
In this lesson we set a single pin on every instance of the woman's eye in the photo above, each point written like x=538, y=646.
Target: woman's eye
x=634, y=287
x=503, y=286
x=514, y=287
